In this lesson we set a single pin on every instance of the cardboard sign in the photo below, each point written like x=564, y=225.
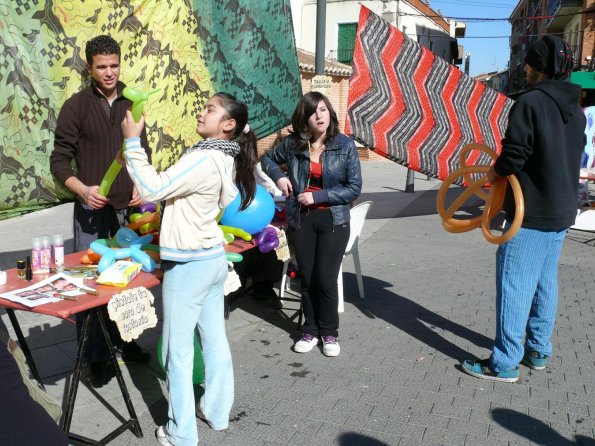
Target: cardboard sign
x=232, y=282
x=282, y=250
x=322, y=84
x=133, y=312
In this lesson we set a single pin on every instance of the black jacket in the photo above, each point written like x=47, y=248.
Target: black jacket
x=341, y=177
x=89, y=131
x=543, y=146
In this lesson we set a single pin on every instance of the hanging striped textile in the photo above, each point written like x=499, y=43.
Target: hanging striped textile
x=415, y=108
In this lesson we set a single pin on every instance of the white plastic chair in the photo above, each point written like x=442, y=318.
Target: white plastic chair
x=358, y=218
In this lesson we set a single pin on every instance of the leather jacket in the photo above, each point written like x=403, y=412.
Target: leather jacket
x=341, y=175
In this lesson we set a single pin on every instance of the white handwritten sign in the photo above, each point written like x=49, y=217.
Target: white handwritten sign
x=232, y=282
x=133, y=312
x=322, y=84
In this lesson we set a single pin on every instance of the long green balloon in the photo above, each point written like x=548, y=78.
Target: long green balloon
x=109, y=177
x=236, y=231
x=138, y=99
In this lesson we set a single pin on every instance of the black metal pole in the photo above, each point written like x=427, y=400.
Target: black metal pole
x=320, y=36
x=410, y=184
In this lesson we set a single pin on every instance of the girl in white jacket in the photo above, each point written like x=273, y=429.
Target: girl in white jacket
x=202, y=182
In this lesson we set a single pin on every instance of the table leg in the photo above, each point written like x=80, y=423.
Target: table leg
x=23, y=345
x=67, y=415
x=133, y=422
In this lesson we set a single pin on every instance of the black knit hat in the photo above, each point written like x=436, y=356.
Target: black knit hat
x=552, y=56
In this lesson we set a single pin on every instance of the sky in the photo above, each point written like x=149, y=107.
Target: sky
x=487, y=54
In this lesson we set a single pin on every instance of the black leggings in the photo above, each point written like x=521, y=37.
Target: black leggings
x=319, y=247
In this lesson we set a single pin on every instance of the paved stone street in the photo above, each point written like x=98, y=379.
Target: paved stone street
x=430, y=298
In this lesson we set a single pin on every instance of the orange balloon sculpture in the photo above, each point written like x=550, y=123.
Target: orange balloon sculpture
x=494, y=199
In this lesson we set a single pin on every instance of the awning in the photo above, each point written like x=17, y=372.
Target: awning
x=585, y=79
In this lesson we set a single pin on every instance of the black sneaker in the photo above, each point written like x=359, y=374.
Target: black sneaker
x=131, y=352
x=263, y=291
x=100, y=373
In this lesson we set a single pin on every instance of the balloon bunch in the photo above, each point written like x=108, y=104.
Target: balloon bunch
x=131, y=246
x=147, y=220
x=138, y=99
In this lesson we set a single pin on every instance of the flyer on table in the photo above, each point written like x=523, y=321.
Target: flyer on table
x=47, y=291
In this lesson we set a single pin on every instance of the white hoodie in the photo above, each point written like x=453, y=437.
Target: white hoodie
x=195, y=188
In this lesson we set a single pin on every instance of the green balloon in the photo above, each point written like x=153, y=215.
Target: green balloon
x=133, y=94
x=234, y=257
x=109, y=177
x=138, y=99
x=198, y=371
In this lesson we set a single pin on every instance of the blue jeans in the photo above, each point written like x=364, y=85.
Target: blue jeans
x=193, y=297
x=527, y=295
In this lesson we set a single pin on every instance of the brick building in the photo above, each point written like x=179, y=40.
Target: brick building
x=339, y=74
x=573, y=20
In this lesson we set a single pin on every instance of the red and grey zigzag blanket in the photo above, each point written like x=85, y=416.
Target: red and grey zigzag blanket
x=415, y=108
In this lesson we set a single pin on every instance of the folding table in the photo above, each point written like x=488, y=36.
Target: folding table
x=65, y=309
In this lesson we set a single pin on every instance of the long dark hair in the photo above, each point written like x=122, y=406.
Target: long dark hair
x=306, y=108
x=246, y=159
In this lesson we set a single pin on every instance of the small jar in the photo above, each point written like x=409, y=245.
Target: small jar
x=21, y=269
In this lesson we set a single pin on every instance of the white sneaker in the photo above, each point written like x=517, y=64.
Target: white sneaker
x=331, y=346
x=306, y=343
x=162, y=437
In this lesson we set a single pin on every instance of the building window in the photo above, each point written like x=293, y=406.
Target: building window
x=346, y=44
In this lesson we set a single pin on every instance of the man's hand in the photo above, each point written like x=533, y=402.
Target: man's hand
x=305, y=198
x=92, y=198
x=130, y=128
x=88, y=195
x=136, y=200
x=284, y=185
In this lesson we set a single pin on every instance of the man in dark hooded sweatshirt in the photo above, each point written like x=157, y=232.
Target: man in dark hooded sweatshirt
x=542, y=147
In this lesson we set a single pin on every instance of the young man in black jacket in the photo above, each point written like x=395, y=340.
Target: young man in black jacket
x=542, y=147
x=88, y=132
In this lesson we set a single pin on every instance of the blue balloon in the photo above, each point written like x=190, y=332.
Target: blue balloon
x=131, y=247
x=255, y=217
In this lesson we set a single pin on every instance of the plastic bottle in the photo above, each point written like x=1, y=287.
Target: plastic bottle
x=46, y=254
x=58, y=251
x=36, y=255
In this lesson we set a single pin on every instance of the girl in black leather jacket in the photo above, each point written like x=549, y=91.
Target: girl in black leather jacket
x=323, y=179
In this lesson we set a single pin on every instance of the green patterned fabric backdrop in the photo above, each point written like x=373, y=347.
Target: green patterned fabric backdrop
x=188, y=49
